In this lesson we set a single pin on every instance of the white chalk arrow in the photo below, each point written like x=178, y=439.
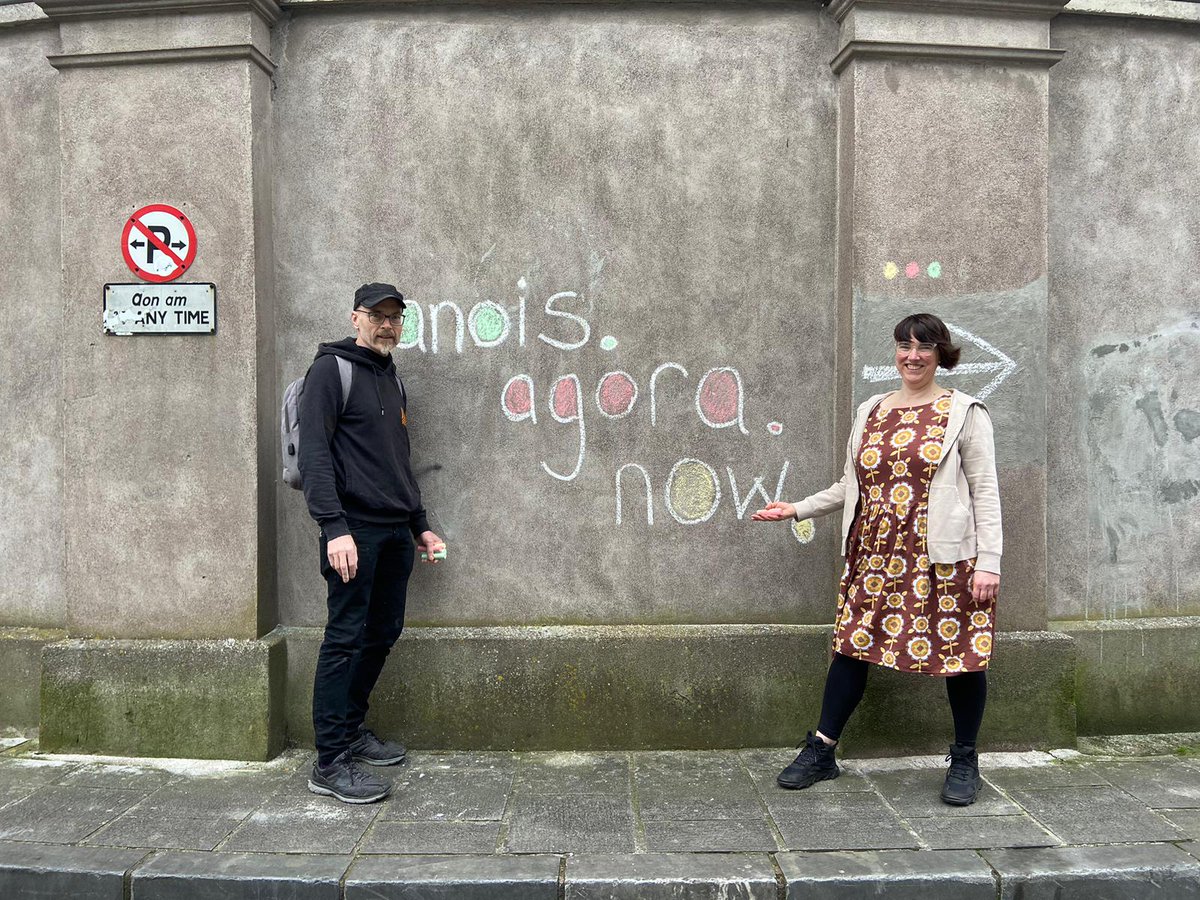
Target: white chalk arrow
x=1003, y=366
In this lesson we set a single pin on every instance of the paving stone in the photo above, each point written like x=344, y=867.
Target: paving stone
x=19, y=778
x=453, y=878
x=156, y=831
x=572, y=824
x=717, y=836
x=1159, y=783
x=1096, y=815
x=574, y=773
x=53, y=871
x=918, y=793
x=896, y=874
x=670, y=876
x=63, y=815
x=1036, y=778
x=1187, y=820
x=232, y=794
x=234, y=876
x=765, y=765
x=450, y=794
x=1129, y=872
x=112, y=777
x=698, y=804
x=714, y=786
x=464, y=761
x=305, y=823
x=851, y=821
x=978, y=832
x=431, y=837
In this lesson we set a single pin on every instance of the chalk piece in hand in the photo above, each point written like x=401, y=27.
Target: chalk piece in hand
x=439, y=553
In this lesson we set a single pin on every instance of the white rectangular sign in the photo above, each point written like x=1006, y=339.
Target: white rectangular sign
x=160, y=309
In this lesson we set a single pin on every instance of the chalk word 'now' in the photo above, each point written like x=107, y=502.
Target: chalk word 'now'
x=720, y=402
x=692, y=492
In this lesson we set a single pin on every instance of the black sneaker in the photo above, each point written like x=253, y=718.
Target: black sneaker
x=347, y=782
x=962, y=778
x=369, y=749
x=815, y=763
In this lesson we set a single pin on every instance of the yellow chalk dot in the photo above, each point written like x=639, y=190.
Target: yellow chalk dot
x=890, y=271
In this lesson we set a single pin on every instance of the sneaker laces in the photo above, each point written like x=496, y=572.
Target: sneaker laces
x=961, y=769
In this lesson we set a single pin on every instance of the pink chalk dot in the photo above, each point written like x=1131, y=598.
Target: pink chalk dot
x=566, y=398
x=775, y=427
x=517, y=400
x=617, y=393
x=719, y=397
x=912, y=270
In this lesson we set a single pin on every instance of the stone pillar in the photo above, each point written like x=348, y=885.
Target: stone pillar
x=169, y=474
x=942, y=183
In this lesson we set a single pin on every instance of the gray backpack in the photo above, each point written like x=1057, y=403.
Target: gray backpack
x=289, y=419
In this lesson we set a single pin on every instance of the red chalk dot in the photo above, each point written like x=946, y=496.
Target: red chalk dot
x=719, y=397
x=566, y=399
x=616, y=394
x=912, y=270
x=517, y=400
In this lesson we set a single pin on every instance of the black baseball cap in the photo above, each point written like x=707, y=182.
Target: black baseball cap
x=370, y=295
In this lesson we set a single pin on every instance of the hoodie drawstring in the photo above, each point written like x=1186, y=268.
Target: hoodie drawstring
x=379, y=396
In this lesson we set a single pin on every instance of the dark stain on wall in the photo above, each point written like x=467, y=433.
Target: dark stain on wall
x=1152, y=409
x=1187, y=423
x=1179, y=491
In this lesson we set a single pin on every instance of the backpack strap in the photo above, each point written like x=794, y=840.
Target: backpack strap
x=403, y=394
x=346, y=372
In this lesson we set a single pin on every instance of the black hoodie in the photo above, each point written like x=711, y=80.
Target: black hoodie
x=354, y=462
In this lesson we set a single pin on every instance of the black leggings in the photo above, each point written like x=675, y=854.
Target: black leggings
x=847, y=679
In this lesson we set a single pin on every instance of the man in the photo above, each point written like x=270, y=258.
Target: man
x=359, y=486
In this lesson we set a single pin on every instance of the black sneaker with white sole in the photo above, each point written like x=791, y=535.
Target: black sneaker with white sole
x=344, y=780
x=369, y=749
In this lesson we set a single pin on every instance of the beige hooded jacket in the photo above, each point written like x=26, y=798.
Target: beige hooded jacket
x=964, y=499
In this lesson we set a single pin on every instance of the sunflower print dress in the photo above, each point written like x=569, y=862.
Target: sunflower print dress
x=895, y=607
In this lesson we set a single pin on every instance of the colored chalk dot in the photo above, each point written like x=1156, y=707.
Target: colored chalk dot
x=775, y=427
x=608, y=342
x=408, y=332
x=890, y=271
x=804, y=530
x=488, y=323
x=692, y=491
x=934, y=270
x=912, y=270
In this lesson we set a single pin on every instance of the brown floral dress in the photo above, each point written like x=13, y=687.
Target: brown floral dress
x=895, y=607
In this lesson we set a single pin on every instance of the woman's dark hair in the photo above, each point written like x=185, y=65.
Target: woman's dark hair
x=929, y=329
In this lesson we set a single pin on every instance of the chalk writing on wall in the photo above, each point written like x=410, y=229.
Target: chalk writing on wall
x=1001, y=364
x=691, y=490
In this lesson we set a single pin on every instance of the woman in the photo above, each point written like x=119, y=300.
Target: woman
x=922, y=540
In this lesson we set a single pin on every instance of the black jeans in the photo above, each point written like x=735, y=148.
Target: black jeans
x=366, y=616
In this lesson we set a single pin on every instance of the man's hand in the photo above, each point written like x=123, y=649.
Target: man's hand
x=343, y=556
x=429, y=544
x=774, y=512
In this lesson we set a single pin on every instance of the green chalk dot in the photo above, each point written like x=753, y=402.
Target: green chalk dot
x=408, y=333
x=489, y=324
x=608, y=343
x=934, y=270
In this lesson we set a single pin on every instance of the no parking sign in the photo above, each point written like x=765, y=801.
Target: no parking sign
x=158, y=243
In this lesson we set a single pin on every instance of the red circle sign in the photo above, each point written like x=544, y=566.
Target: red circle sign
x=158, y=243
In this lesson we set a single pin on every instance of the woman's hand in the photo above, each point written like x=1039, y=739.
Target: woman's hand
x=775, y=512
x=985, y=586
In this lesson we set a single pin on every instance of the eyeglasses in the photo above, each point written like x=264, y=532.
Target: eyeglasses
x=378, y=318
x=924, y=348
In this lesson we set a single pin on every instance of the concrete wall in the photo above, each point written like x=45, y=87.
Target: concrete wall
x=1123, y=523
x=33, y=329
x=673, y=166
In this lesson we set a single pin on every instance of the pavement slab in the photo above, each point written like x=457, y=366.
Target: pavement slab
x=1127, y=872
x=918, y=792
x=671, y=876
x=431, y=837
x=895, y=874
x=842, y=822
x=1096, y=815
x=53, y=871
x=496, y=825
x=239, y=876
x=454, y=878
x=716, y=836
